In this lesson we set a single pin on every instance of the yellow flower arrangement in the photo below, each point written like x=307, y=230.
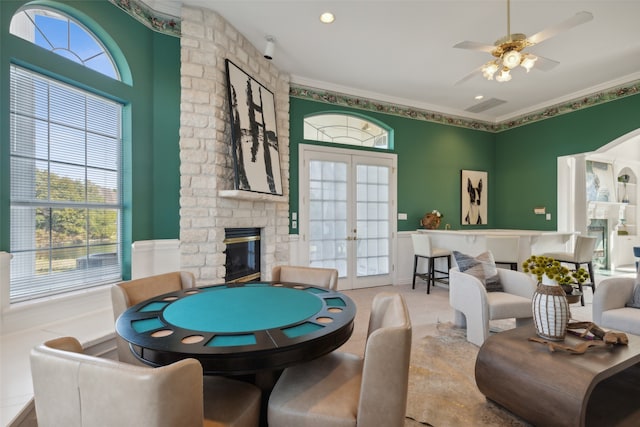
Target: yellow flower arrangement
x=541, y=265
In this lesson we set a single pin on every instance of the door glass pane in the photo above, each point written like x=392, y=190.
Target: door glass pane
x=372, y=193
x=328, y=215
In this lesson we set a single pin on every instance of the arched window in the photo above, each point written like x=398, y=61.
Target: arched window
x=65, y=165
x=340, y=128
x=58, y=33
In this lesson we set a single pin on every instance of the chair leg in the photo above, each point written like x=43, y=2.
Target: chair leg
x=415, y=270
x=577, y=265
x=430, y=275
x=592, y=276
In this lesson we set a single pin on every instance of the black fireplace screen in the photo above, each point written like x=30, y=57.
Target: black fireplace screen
x=242, y=254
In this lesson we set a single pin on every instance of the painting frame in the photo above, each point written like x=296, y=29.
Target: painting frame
x=474, y=196
x=254, y=136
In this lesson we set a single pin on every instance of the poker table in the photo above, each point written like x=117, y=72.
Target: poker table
x=239, y=328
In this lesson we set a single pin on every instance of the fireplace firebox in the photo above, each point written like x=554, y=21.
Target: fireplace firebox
x=242, y=254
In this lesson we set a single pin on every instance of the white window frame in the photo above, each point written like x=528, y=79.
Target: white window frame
x=25, y=282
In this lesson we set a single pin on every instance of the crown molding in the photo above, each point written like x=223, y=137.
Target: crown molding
x=157, y=21
x=569, y=106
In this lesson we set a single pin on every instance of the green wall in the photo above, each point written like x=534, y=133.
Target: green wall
x=526, y=158
x=151, y=97
x=430, y=159
x=521, y=162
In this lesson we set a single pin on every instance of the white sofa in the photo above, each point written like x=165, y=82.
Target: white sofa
x=474, y=307
x=609, y=311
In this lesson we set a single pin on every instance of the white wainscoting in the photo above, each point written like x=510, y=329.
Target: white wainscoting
x=151, y=257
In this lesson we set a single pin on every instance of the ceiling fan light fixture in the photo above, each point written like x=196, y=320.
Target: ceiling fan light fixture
x=489, y=69
x=511, y=59
x=503, y=76
x=528, y=61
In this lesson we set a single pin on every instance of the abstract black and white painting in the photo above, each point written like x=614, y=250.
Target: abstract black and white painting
x=474, y=198
x=253, y=129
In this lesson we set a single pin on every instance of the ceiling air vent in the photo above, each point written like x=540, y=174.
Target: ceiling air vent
x=485, y=105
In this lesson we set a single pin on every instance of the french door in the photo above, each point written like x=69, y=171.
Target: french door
x=348, y=214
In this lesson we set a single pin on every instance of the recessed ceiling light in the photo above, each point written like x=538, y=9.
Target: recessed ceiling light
x=478, y=97
x=327, y=18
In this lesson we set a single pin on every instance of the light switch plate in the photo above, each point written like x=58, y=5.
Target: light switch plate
x=402, y=216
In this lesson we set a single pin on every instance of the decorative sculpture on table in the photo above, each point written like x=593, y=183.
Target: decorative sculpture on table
x=431, y=220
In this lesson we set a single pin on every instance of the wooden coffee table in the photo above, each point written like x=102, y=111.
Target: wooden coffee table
x=599, y=387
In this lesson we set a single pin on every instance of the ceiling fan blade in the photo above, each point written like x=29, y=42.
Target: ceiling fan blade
x=475, y=46
x=476, y=72
x=545, y=64
x=574, y=21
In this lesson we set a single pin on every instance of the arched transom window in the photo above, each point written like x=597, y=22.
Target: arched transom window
x=58, y=33
x=345, y=129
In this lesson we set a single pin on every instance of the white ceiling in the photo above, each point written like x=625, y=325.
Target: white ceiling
x=402, y=51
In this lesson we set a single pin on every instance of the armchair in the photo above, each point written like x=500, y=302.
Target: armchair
x=609, y=311
x=342, y=389
x=325, y=277
x=474, y=307
x=132, y=292
x=75, y=389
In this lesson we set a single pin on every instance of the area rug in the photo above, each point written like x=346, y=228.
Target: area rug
x=442, y=389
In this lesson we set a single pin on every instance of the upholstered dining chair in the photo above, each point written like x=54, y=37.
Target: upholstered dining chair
x=324, y=277
x=343, y=389
x=505, y=250
x=582, y=255
x=422, y=248
x=73, y=389
x=132, y=292
x=474, y=307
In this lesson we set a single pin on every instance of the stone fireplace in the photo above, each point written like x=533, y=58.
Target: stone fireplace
x=209, y=204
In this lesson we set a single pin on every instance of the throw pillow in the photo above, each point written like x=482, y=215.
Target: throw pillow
x=483, y=267
x=634, y=301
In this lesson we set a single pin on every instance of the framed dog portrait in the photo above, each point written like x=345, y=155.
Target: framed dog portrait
x=473, y=193
x=253, y=130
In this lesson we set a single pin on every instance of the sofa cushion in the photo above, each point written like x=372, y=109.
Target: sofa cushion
x=504, y=306
x=624, y=319
x=482, y=267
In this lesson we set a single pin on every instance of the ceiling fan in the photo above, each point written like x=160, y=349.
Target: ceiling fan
x=509, y=50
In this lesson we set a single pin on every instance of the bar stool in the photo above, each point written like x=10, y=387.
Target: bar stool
x=422, y=249
x=504, y=250
x=636, y=253
x=582, y=254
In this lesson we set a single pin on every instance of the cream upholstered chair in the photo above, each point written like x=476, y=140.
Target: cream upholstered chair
x=73, y=389
x=582, y=254
x=342, y=389
x=609, y=310
x=505, y=249
x=132, y=292
x=474, y=307
x=422, y=249
x=325, y=277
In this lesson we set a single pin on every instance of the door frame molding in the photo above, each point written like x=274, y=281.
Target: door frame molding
x=303, y=198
